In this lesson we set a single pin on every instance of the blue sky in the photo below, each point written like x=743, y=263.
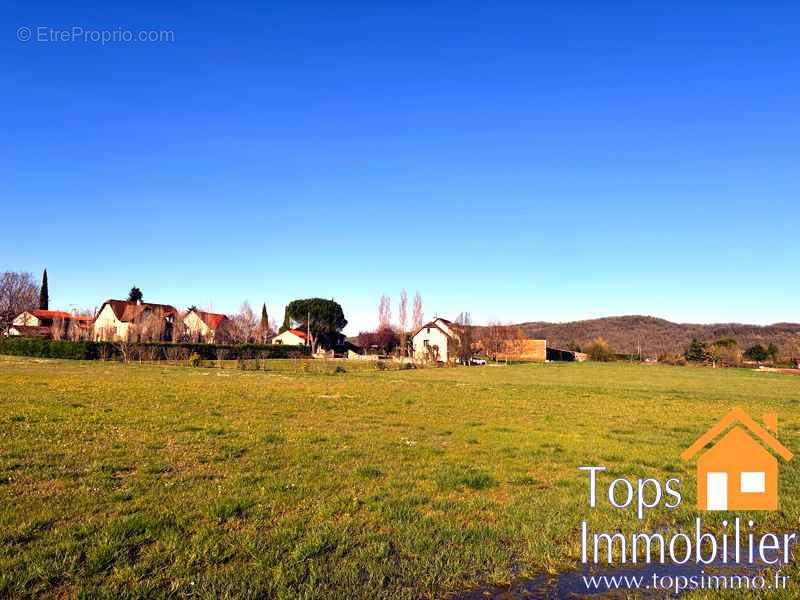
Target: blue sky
x=517, y=161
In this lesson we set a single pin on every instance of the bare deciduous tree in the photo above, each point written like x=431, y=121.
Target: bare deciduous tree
x=57, y=329
x=516, y=341
x=403, y=321
x=18, y=292
x=417, y=315
x=385, y=312
x=463, y=331
x=180, y=333
x=79, y=327
x=493, y=338
x=244, y=325
x=150, y=327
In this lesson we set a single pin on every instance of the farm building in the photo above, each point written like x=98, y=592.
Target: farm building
x=523, y=349
x=557, y=354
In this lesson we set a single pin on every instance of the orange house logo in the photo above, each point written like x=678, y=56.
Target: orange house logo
x=738, y=472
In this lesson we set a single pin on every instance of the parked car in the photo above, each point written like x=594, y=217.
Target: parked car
x=477, y=361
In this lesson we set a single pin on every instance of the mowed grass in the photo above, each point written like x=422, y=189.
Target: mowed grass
x=299, y=481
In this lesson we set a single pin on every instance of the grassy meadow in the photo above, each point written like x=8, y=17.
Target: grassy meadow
x=300, y=481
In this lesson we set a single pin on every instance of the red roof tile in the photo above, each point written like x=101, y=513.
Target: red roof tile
x=212, y=320
x=51, y=314
x=127, y=311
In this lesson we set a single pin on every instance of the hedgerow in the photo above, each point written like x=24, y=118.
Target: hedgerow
x=85, y=350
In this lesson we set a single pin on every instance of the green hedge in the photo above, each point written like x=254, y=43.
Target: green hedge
x=44, y=348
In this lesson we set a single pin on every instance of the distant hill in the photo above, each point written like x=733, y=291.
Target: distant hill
x=657, y=335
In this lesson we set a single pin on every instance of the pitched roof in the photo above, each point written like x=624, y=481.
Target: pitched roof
x=212, y=320
x=51, y=314
x=450, y=325
x=737, y=414
x=126, y=311
x=298, y=332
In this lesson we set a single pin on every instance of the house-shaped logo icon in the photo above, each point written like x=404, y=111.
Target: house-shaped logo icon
x=738, y=472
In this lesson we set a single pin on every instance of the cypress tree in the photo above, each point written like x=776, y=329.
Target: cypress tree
x=44, y=294
x=264, y=318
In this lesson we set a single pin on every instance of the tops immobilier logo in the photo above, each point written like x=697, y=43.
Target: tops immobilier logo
x=737, y=472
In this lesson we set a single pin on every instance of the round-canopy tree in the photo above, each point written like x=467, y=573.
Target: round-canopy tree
x=323, y=319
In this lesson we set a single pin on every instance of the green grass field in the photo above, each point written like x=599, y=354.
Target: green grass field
x=167, y=481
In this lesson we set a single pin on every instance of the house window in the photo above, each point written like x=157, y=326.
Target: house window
x=426, y=343
x=753, y=482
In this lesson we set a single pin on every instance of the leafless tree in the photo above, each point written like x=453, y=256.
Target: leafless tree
x=431, y=354
x=18, y=292
x=403, y=321
x=106, y=334
x=244, y=325
x=516, y=341
x=464, y=338
x=151, y=327
x=385, y=312
x=57, y=329
x=180, y=333
x=79, y=325
x=73, y=330
x=493, y=338
x=417, y=315
x=124, y=348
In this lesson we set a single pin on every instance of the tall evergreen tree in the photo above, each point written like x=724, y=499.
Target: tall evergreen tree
x=135, y=295
x=696, y=351
x=264, y=325
x=44, y=294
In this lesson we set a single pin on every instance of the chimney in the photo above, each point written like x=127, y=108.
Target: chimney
x=771, y=422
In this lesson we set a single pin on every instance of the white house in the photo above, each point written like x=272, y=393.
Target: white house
x=435, y=340
x=43, y=323
x=40, y=318
x=205, y=326
x=118, y=319
x=291, y=337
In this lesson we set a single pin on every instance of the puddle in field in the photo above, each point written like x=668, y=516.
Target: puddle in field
x=572, y=584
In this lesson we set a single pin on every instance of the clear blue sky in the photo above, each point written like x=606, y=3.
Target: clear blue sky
x=517, y=161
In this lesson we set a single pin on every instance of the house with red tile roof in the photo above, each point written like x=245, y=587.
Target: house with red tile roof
x=203, y=326
x=292, y=337
x=41, y=323
x=134, y=321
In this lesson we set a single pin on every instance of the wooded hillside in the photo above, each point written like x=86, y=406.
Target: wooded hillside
x=657, y=335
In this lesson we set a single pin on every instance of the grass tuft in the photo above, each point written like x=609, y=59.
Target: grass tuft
x=454, y=478
x=225, y=509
